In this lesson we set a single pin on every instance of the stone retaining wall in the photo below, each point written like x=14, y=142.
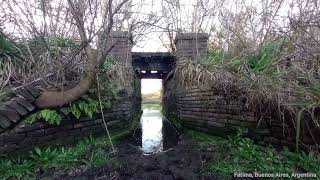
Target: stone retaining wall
x=191, y=45
x=26, y=136
x=16, y=134
x=206, y=110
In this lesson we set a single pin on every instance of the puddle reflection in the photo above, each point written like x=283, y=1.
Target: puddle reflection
x=151, y=121
x=158, y=134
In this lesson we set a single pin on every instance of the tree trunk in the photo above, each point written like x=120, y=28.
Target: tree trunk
x=50, y=99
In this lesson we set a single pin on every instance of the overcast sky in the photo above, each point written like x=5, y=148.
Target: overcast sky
x=150, y=85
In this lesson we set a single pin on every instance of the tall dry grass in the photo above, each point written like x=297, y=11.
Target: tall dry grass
x=277, y=77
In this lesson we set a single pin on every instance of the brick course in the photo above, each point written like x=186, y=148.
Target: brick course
x=25, y=136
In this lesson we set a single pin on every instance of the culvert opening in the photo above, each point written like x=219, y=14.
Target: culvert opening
x=156, y=133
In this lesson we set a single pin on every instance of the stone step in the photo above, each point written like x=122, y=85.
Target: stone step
x=23, y=102
x=11, y=114
x=33, y=91
x=19, y=108
x=25, y=93
x=4, y=122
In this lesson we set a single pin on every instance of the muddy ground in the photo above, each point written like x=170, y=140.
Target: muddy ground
x=184, y=161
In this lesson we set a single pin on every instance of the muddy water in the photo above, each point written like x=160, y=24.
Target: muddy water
x=158, y=134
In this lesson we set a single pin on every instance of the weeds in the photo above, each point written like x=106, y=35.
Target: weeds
x=175, y=120
x=239, y=154
x=92, y=152
x=9, y=60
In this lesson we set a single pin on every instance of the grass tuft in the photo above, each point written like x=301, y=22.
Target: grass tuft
x=239, y=154
x=91, y=152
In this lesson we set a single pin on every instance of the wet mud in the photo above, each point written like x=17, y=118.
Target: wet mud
x=183, y=162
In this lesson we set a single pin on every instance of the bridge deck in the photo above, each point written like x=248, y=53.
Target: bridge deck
x=153, y=65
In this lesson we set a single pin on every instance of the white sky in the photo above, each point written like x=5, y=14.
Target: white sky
x=152, y=43
x=150, y=85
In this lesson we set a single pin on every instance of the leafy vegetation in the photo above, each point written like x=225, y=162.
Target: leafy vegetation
x=91, y=151
x=174, y=119
x=135, y=123
x=50, y=116
x=240, y=154
x=6, y=95
x=85, y=106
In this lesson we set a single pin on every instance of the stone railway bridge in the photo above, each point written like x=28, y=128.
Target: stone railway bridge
x=201, y=108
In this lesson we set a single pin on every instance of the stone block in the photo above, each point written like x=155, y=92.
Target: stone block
x=46, y=139
x=25, y=93
x=20, y=109
x=23, y=102
x=74, y=132
x=98, y=130
x=66, y=127
x=9, y=148
x=27, y=142
x=278, y=135
x=110, y=123
x=13, y=138
x=3, y=150
x=11, y=114
x=85, y=129
x=216, y=124
x=36, y=133
x=33, y=91
x=61, y=134
x=4, y=122
x=98, y=121
x=31, y=127
x=82, y=119
x=78, y=125
x=272, y=140
x=89, y=123
x=52, y=130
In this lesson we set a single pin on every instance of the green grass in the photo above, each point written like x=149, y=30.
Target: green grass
x=155, y=106
x=174, y=119
x=91, y=152
x=135, y=123
x=239, y=154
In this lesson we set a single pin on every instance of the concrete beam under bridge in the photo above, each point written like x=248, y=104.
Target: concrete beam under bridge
x=153, y=65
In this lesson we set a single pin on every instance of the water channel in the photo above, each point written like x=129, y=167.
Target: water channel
x=157, y=133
